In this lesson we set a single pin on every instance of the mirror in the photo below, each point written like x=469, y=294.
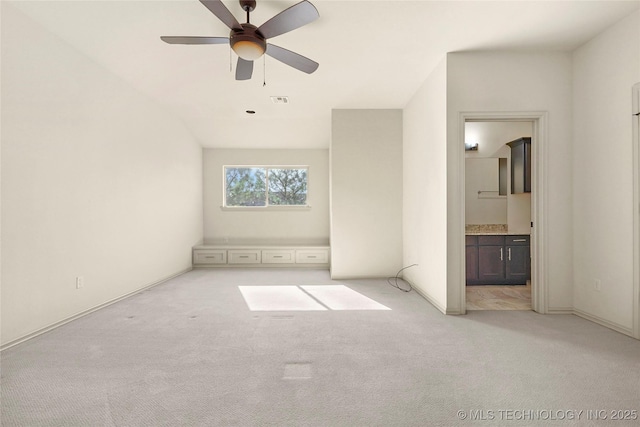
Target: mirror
x=486, y=190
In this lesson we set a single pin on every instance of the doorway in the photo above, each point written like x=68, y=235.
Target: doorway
x=535, y=226
x=498, y=214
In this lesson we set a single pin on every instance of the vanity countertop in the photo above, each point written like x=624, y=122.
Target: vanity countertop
x=490, y=229
x=496, y=233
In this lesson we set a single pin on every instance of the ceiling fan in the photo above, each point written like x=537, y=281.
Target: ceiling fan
x=250, y=42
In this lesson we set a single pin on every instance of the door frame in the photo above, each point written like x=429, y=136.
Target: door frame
x=539, y=187
x=636, y=210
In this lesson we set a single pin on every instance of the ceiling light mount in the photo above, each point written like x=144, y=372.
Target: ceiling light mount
x=248, y=5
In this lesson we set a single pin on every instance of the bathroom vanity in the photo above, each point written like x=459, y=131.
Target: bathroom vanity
x=498, y=259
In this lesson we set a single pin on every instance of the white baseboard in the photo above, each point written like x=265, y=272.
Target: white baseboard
x=88, y=311
x=430, y=300
x=358, y=277
x=606, y=323
x=560, y=310
x=280, y=266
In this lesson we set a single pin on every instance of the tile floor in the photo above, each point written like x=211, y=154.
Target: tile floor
x=499, y=297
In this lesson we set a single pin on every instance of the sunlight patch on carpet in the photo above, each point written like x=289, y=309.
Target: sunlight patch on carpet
x=306, y=298
x=278, y=298
x=340, y=297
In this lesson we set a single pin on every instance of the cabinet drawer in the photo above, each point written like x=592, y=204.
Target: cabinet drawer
x=209, y=256
x=517, y=240
x=244, y=256
x=491, y=240
x=312, y=256
x=279, y=257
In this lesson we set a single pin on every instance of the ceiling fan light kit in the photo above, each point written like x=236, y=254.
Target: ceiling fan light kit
x=250, y=42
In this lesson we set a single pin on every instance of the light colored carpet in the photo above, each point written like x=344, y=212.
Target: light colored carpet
x=189, y=352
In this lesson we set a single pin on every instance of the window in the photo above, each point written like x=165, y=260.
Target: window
x=261, y=186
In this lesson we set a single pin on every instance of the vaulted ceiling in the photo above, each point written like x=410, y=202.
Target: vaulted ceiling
x=372, y=54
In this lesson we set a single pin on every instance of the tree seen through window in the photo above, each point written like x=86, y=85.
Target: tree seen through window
x=263, y=186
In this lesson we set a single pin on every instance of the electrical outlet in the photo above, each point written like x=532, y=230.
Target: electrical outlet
x=79, y=282
x=597, y=284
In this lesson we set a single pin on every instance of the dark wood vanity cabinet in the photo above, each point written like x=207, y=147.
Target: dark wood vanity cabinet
x=498, y=260
x=520, y=165
x=518, y=262
x=472, y=260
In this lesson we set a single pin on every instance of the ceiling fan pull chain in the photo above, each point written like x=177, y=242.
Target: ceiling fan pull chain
x=264, y=70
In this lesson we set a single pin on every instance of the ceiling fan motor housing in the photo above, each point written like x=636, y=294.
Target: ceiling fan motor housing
x=248, y=43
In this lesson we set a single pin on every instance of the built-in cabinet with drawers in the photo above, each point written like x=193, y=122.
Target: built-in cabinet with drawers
x=266, y=256
x=498, y=259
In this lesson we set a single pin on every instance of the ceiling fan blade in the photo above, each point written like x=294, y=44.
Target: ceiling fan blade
x=194, y=40
x=292, y=59
x=289, y=19
x=244, y=69
x=220, y=10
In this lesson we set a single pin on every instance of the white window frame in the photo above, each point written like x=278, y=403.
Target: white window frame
x=267, y=207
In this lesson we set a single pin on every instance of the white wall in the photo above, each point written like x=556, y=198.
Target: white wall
x=366, y=193
x=491, y=138
x=97, y=181
x=493, y=82
x=425, y=188
x=605, y=69
x=280, y=226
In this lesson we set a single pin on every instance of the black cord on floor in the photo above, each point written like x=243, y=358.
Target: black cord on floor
x=397, y=277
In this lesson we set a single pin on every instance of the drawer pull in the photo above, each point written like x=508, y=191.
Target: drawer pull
x=210, y=257
x=277, y=256
x=509, y=252
x=501, y=258
x=244, y=256
x=311, y=256
x=519, y=240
